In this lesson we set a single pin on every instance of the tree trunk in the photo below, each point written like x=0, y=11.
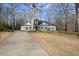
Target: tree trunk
x=0, y=10
x=66, y=16
x=33, y=15
x=77, y=18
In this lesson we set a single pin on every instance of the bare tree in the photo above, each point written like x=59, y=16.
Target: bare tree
x=77, y=20
x=65, y=17
x=33, y=14
x=65, y=9
x=12, y=10
x=0, y=10
x=60, y=23
x=0, y=14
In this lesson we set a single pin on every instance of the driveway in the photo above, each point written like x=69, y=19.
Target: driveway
x=21, y=44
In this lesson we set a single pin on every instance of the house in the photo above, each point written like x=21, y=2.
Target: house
x=26, y=27
x=43, y=26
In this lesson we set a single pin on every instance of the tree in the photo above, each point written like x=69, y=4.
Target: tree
x=65, y=9
x=33, y=15
x=12, y=10
x=36, y=24
x=77, y=20
x=59, y=17
x=0, y=10
x=50, y=13
x=2, y=24
x=59, y=23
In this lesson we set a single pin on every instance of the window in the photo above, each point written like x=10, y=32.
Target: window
x=26, y=27
x=52, y=28
x=38, y=27
x=33, y=27
x=41, y=27
x=29, y=27
x=45, y=27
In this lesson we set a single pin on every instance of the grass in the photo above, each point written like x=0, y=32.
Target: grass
x=70, y=33
x=56, y=43
x=4, y=35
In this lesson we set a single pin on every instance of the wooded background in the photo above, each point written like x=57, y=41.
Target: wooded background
x=65, y=19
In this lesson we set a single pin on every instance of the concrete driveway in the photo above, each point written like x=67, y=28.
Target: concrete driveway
x=21, y=44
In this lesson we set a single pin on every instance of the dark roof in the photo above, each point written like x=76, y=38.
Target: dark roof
x=49, y=24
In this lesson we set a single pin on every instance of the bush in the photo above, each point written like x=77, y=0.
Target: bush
x=32, y=31
x=8, y=30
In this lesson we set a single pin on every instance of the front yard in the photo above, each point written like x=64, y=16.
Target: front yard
x=56, y=43
x=4, y=35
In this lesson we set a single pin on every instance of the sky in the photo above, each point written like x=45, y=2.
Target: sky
x=43, y=8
